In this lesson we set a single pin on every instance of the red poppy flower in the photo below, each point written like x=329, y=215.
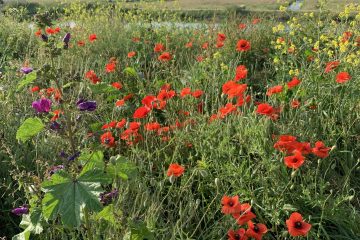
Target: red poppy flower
x=205, y=45
x=296, y=226
x=131, y=54
x=110, y=67
x=38, y=33
x=112, y=124
x=243, y=45
x=185, y=91
x=219, y=44
x=81, y=43
x=166, y=56
x=199, y=58
x=244, y=215
x=197, y=93
x=141, y=112
x=229, y=108
x=189, y=45
x=320, y=150
x=165, y=95
x=175, y=170
x=331, y=66
x=134, y=126
x=117, y=85
x=50, y=31
x=56, y=114
x=107, y=139
x=230, y=205
x=159, y=47
x=343, y=77
x=154, y=126
x=256, y=231
x=92, y=37
x=35, y=89
x=237, y=235
x=241, y=72
x=304, y=148
x=268, y=110
x=129, y=96
x=295, y=103
x=293, y=83
x=121, y=124
x=242, y=26
x=120, y=103
x=232, y=89
x=294, y=161
x=286, y=143
x=256, y=21
x=91, y=75
x=274, y=90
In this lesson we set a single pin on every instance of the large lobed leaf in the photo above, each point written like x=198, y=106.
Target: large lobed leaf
x=29, y=128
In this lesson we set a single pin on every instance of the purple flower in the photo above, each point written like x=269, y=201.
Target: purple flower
x=54, y=169
x=86, y=105
x=42, y=105
x=20, y=210
x=26, y=70
x=66, y=40
x=106, y=198
x=44, y=37
x=55, y=125
x=73, y=157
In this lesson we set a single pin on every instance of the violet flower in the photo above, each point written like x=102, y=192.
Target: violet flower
x=20, y=210
x=42, y=105
x=86, y=105
x=26, y=70
x=54, y=169
x=74, y=156
x=66, y=40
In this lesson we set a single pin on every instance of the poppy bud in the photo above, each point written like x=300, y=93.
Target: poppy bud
x=172, y=179
x=293, y=174
x=217, y=182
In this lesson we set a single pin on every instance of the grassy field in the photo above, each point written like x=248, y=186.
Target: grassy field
x=232, y=128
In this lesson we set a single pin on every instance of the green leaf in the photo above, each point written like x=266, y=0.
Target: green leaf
x=68, y=197
x=107, y=214
x=32, y=222
x=92, y=160
x=29, y=128
x=120, y=167
x=139, y=231
x=25, y=235
x=130, y=72
x=103, y=88
x=28, y=78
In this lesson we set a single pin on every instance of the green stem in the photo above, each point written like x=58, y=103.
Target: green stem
x=87, y=224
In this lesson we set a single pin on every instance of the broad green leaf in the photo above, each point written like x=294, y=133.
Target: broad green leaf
x=139, y=231
x=29, y=128
x=107, y=214
x=95, y=127
x=28, y=78
x=32, y=222
x=120, y=167
x=130, y=72
x=92, y=160
x=102, y=88
x=25, y=235
x=68, y=197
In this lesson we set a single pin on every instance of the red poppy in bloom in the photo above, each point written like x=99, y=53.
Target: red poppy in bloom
x=219, y=44
x=152, y=126
x=256, y=231
x=243, y=45
x=175, y=170
x=266, y=109
x=121, y=124
x=112, y=124
x=320, y=150
x=199, y=58
x=159, y=47
x=35, y=89
x=205, y=45
x=293, y=83
x=296, y=226
x=131, y=54
x=242, y=26
x=38, y=33
x=229, y=108
x=141, y=112
x=232, y=89
x=185, y=91
x=110, y=67
x=331, y=66
x=256, y=21
x=92, y=37
x=244, y=215
x=91, y=75
x=295, y=103
x=165, y=57
x=134, y=125
x=165, y=95
x=107, y=139
x=129, y=96
x=120, y=103
x=237, y=235
x=50, y=31
x=56, y=115
x=343, y=77
x=274, y=90
x=117, y=85
x=241, y=72
x=230, y=205
x=197, y=93
x=81, y=43
x=189, y=45
x=294, y=161
x=286, y=143
x=221, y=37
